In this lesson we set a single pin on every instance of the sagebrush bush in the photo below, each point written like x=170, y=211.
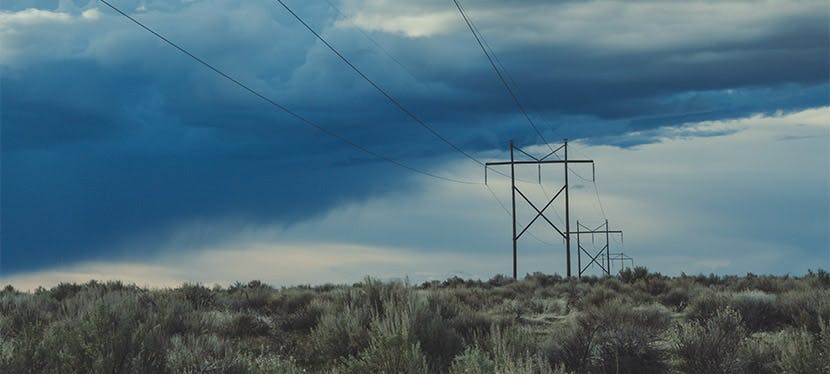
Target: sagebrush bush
x=806, y=309
x=198, y=295
x=111, y=335
x=434, y=331
x=341, y=333
x=801, y=354
x=710, y=345
x=473, y=361
x=761, y=353
x=612, y=337
x=638, y=322
x=759, y=311
x=200, y=354
x=393, y=346
x=676, y=298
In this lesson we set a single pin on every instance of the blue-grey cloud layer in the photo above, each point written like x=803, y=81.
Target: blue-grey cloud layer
x=109, y=136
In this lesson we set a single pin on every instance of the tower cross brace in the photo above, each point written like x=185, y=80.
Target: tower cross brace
x=566, y=234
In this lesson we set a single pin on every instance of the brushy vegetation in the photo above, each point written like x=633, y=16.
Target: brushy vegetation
x=636, y=322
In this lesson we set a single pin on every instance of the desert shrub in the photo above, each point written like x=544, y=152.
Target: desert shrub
x=9, y=290
x=341, y=333
x=710, y=345
x=763, y=283
x=572, y=346
x=113, y=334
x=511, y=343
x=376, y=292
x=596, y=297
x=7, y=346
x=706, y=305
x=473, y=298
x=201, y=354
x=653, y=286
x=197, y=295
x=806, y=309
x=393, y=346
x=474, y=325
x=631, y=276
x=254, y=295
x=824, y=344
x=801, y=353
x=541, y=280
x=819, y=278
x=303, y=319
x=290, y=301
x=476, y=361
x=613, y=337
x=473, y=361
x=26, y=313
x=500, y=280
x=245, y=325
x=759, y=311
x=64, y=291
x=175, y=315
x=760, y=354
x=455, y=282
x=210, y=353
x=676, y=298
x=710, y=280
x=267, y=364
x=628, y=338
x=434, y=331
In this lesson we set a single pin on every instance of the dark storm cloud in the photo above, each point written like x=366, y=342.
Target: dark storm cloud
x=109, y=135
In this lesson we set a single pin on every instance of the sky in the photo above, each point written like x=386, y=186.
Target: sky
x=123, y=158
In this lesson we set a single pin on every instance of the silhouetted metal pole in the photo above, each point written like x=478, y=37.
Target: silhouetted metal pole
x=607, y=247
x=578, y=251
x=513, y=194
x=567, y=214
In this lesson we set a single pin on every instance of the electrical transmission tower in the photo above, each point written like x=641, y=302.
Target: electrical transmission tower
x=622, y=258
x=600, y=258
x=566, y=234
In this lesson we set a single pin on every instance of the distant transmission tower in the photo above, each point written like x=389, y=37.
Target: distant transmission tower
x=622, y=258
x=566, y=234
x=600, y=258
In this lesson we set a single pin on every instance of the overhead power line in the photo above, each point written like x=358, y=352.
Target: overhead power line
x=376, y=43
x=501, y=77
x=285, y=109
x=486, y=46
x=383, y=92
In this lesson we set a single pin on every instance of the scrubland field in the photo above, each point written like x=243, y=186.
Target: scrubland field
x=636, y=322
